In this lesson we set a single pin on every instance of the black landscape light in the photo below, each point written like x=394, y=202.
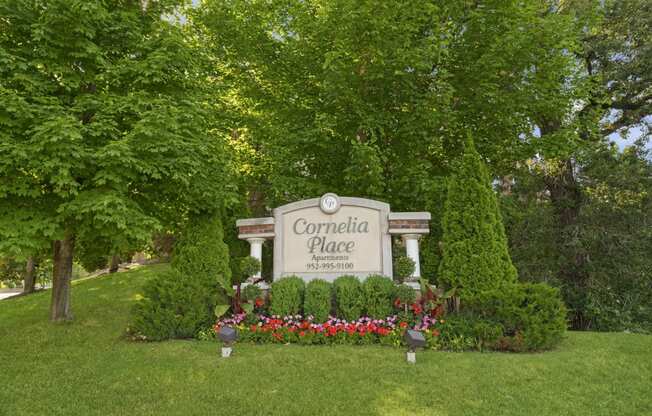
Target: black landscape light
x=414, y=339
x=228, y=336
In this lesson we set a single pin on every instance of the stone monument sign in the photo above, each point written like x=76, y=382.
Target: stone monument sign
x=331, y=236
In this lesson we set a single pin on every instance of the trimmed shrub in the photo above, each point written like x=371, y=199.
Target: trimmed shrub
x=403, y=268
x=318, y=299
x=286, y=296
x=251, y=292
x=475, y=255
x=349, y=301
x=246, y=267
x=532, y=315
x=173, y=307
x=180, y=303
x=405, y=294
x=378, y=292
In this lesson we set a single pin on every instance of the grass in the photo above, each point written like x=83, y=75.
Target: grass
x=87, y=368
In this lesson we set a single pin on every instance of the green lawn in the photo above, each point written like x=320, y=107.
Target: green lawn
x=86, y=368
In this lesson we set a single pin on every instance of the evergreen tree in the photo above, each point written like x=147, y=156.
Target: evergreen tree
x=179, y=303
x=475, y=255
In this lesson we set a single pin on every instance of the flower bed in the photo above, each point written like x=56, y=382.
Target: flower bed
x=302, y=330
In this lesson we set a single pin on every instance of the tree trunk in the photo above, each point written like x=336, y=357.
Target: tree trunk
x=30, y=276
x=114, y=264
x=61, y=277
x=567, y=200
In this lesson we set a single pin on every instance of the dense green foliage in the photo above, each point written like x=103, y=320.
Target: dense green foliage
x=531, y=316
x=611, y=236
x=385, y=94
x=369, y=99
x=286, y=296
x=611, y=83
x=251, y=292
x=349, y=298
x=106, y=134
x=179, y=303
x=403, y=267
x=378, y=292
x=475, y=254
x=108, y=372
x=318, y=300
x=249, y=266
x=405, y=294
x=117, y=122
x=461, y=332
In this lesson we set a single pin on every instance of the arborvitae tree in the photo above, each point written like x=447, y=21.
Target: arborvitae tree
x=179, y=303
x=475, y=254
x=201, y=252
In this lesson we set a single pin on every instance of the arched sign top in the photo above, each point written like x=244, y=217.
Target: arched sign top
x=343, y=200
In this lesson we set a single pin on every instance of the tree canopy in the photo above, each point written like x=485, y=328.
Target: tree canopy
x=106, y=132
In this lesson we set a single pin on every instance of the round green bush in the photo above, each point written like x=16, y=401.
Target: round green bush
x=349, y=301
x=286, y=296
x=318, y=299
x=247, y=267
x=403, y=267
x=378, y=292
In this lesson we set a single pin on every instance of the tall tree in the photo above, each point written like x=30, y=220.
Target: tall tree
x=612, y=93
x=369, y=98
x=475, y=253
x=105, y=128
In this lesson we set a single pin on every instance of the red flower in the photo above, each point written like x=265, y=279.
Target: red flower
x=259, y=302
x=403, y=324
x=277, y=336
x=332, y=330
x=397, y=303
x=416, y=308
x=253, y=328
x=301, y=334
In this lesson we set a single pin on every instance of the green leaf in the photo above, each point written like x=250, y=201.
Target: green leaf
x=220, y=310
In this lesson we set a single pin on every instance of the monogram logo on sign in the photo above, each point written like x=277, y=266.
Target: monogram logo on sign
x=329, y=203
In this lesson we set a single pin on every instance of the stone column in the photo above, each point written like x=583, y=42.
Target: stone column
x=411, y=242
x=256, y=251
